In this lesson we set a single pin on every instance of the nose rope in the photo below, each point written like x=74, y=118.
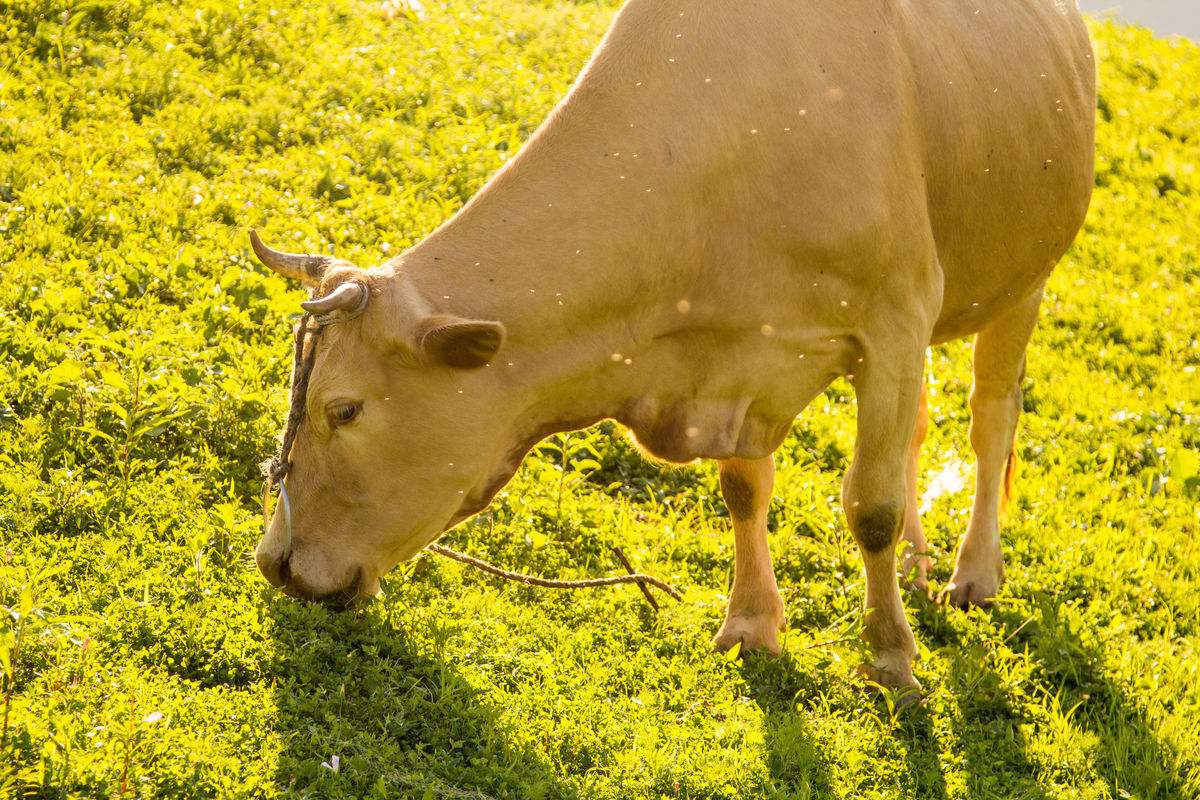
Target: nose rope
x=278, y=467
x=276, y=470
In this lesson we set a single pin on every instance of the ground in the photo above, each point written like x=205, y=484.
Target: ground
x=145, y=363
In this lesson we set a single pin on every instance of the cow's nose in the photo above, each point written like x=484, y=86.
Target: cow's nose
x=274, y=568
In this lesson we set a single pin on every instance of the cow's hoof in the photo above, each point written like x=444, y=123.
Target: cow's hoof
x=895, y=675
x=970, y=590
x=758, y=634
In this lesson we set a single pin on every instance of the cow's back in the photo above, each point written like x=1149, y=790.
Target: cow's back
x=816, y=130
x=729, y=152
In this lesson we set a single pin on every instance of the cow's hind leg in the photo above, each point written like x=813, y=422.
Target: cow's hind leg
x=995, y=407
x=875, y=491
x=915, y=562
x=755, y=614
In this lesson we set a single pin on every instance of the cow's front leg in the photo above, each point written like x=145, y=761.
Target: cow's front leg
x=888, y=388
x=755, y=614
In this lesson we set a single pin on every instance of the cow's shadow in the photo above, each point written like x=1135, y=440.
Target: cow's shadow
x=785, y=689
x=997, y=733
x=403, y=720
x=975, y=723
x=795, y=763
x=1070, y=670
x=400, y=719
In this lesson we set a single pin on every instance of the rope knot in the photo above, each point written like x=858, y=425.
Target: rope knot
x=275, y=470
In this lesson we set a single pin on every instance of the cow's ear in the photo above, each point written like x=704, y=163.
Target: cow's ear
x=458, y=343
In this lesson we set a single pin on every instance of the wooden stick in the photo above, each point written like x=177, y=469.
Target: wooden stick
x=629, y=568
x=533, y=580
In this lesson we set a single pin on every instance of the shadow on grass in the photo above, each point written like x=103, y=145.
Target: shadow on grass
x=798, y=767
x=1129, y=756
x=1000, y=760
x=795, y=763
x=405, y=723
x=989, y=731
x=985, y=730
x=402, y=722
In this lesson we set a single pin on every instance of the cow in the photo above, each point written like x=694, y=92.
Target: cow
x=734, y=205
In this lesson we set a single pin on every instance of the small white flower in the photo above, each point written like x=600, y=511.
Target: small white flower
x=395, y=8
x=334, y=764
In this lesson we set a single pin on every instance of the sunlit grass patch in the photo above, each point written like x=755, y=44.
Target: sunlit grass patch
x=145, y=357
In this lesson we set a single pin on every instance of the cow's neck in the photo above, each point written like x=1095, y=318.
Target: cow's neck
x=584, y=267
x=582, y=223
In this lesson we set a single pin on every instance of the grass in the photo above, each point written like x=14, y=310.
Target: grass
x=145, y=359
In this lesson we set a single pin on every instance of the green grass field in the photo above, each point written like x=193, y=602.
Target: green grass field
x=145, y=361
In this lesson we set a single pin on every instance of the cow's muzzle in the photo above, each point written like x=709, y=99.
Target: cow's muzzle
x=277, y=569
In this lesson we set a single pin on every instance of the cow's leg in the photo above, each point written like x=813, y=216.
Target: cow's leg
x=874, y=494
x=995, y=407
x=755, y=614
x=915, y=562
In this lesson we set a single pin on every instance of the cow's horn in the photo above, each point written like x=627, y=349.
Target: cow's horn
x=350, y=296
x=298, y=266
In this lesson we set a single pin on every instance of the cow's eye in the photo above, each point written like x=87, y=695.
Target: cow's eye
x=343, y=413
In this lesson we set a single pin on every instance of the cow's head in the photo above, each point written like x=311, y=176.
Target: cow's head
x=400, y=436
